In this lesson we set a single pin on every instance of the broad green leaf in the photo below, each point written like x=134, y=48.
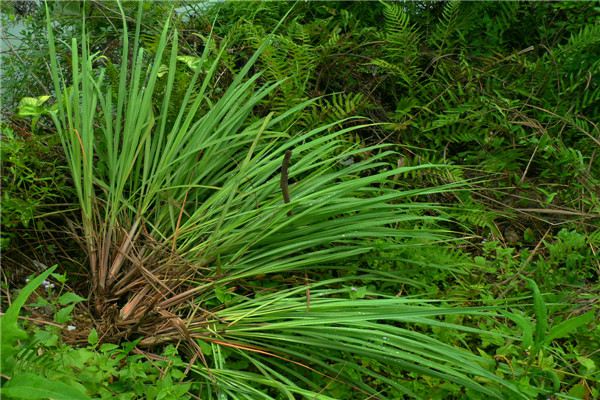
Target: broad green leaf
x=64, y=314
x=61, y=278
x=222, y=294
x=541, y=315
x=526, y=327
x=93, y=337
x=577, y=391
x=108, y=347
x=358, y=293
x=587, y=363
x=10, y=332
x=32, y=106
x=69, y=298
x=15, y=308
x=30, y=386
x=567, y=327
x=205, y=347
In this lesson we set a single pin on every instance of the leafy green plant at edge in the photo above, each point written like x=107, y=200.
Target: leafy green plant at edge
x=28, y=385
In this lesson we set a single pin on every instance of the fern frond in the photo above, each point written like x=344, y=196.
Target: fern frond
x=446, y=26
x=402, y=39
x=337, y=107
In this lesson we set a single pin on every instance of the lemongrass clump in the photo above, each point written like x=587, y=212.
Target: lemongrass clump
x=180, y=205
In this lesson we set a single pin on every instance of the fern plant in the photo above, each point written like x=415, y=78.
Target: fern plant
x=401, y=46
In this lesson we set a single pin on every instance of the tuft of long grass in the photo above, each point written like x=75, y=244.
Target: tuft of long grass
x=182, y=203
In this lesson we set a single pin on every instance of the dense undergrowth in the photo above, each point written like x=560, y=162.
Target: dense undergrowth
x=301, y=200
